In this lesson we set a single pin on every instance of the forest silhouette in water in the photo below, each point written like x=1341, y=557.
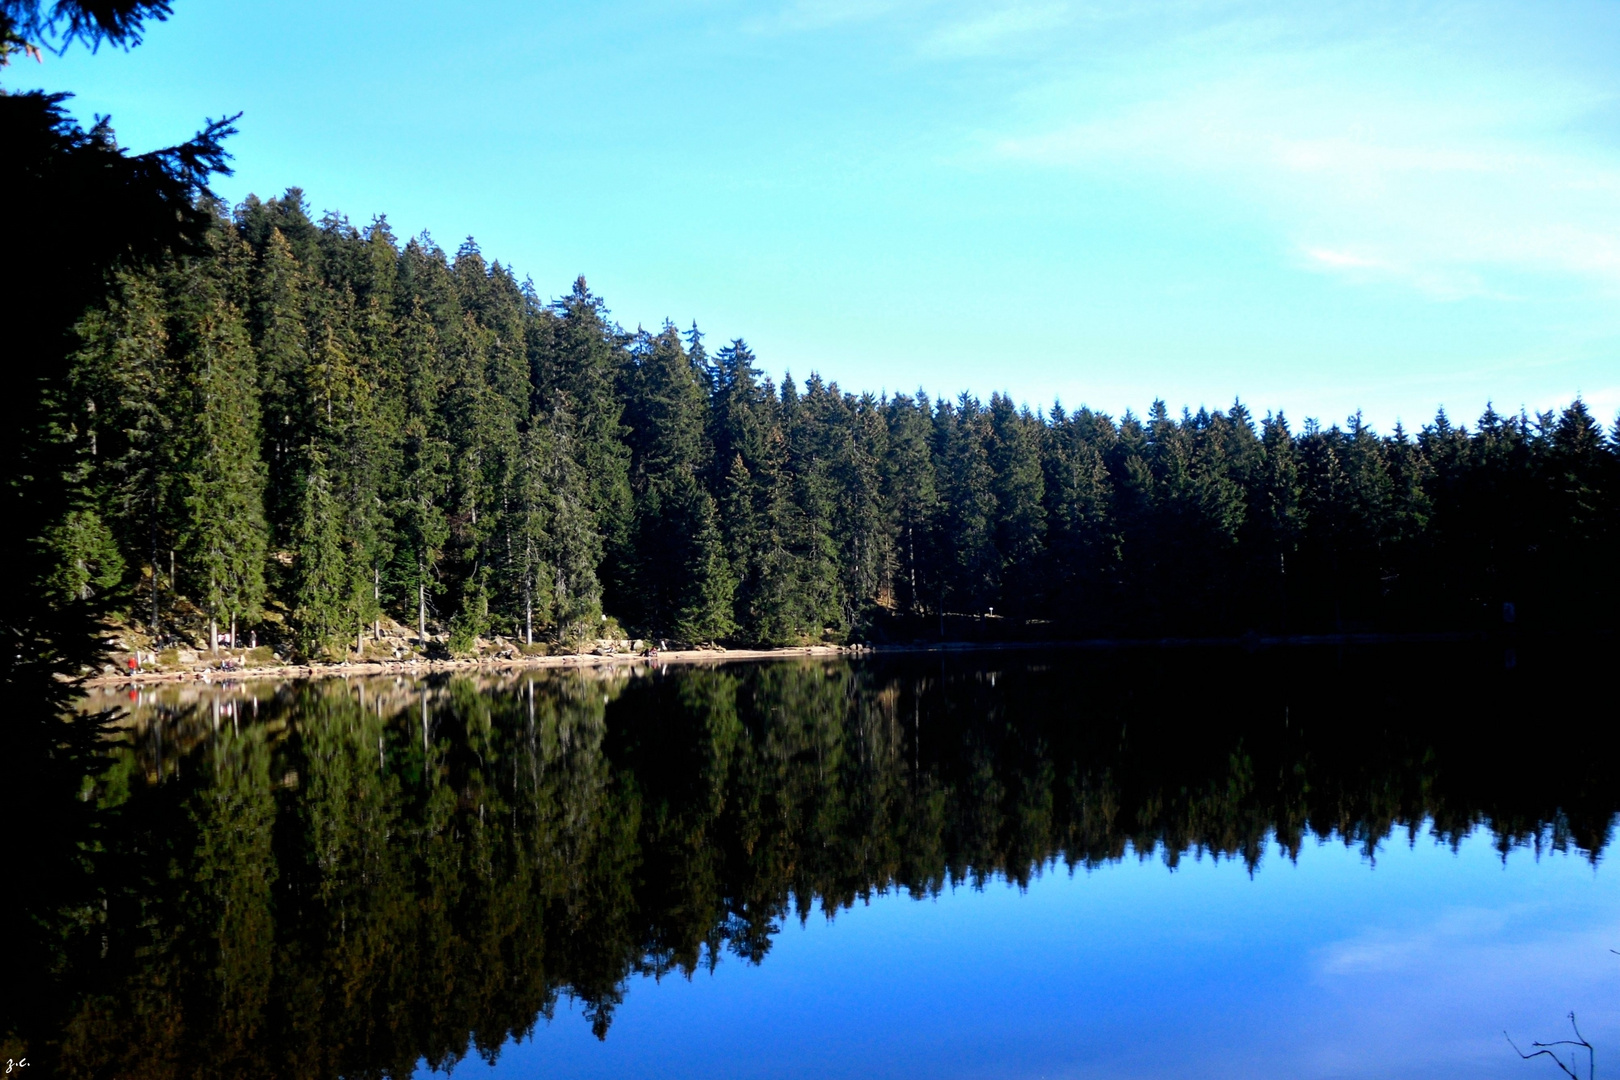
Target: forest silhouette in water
x=342, y=878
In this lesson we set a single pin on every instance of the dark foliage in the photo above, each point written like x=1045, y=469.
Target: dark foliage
x=440, y=443
x=77, y=209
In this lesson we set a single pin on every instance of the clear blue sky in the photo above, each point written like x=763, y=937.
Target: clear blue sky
x=1316, y=207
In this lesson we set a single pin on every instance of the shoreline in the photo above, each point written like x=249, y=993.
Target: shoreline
x=428, y=667
x=724, y=656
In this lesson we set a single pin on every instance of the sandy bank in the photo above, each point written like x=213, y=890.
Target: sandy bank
x=426, y=667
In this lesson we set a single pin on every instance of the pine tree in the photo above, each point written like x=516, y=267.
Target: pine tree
x=971, y=564
x=1277, y=521
x=280, y=341
x=125, y=382
x=818, y=604
x=579, y=367
x=421, y=528
x=911, y=499
x=666, y=421
x=566, y=580
x=1083, y=541
x=223, y=537
x=705, y=615
x=87, y=561
x=322, y=611
x=1020, y=515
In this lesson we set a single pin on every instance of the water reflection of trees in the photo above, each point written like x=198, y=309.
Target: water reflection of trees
x=343, y=879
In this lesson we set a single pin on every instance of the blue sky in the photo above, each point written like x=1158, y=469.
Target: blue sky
x=1323, y=207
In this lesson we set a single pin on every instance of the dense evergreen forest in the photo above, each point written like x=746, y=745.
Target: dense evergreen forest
x=339, y=878
x=308, y=426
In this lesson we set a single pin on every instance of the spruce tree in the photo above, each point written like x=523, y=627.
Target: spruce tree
x=125, y=383
x=280, y=340
x=1020, y=514
x=567, y=581
x=323, y=614
x=420, y=526
x=580, y=366
x=971, y=565
x=223, y=536
x=1083, y=543
x=666, y=421
x=911, y=500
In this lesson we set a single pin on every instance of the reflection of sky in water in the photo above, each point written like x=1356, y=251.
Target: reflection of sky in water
x=1331, y=967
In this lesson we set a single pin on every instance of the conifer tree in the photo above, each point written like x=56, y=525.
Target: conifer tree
x=680, y=576
x=1276, y=522
x=1020, y=515
x=1084, y=547
x=911, y=498
x=323, y=574
x=87, y=561
x=818, y=604
x=421, y=530
x=223, y=536
x=573, y=548
x=706, y=614
x=125, y=382
x=580, y=368
x=971, y=564
x=280, y=341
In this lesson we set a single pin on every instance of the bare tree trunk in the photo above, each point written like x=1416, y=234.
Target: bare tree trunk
x=421, y=614
x=213, y=635
x=528, y=617
x=376, y=597
x=911, y=567
x=154, y=568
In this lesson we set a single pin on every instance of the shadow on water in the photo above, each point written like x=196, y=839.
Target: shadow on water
x=346, y=878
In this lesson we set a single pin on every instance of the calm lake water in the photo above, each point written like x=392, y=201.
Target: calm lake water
x=1320, y=863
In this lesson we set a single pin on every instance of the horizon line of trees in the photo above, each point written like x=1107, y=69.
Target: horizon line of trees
x=315, y=419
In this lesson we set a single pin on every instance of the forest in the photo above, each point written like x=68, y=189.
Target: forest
x=302, y=427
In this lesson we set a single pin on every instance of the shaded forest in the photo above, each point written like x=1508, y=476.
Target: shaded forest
x=342, y=878
x=307, y=426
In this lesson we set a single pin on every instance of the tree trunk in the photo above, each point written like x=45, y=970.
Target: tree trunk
x=376, y=597
x=154, y=569
x=421, y=615
x=213, y=635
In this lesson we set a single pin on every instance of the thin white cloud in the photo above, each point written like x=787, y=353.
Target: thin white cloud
x=808, y=15
x=982, y=35
x=1445, y=174
x=1345, y=259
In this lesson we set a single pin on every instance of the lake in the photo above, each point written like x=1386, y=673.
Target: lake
x=1195, y=863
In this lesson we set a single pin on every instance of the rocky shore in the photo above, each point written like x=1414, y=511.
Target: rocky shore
x=213, y=672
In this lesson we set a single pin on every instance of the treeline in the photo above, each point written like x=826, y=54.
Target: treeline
x=343, y=879
x=314, y=420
